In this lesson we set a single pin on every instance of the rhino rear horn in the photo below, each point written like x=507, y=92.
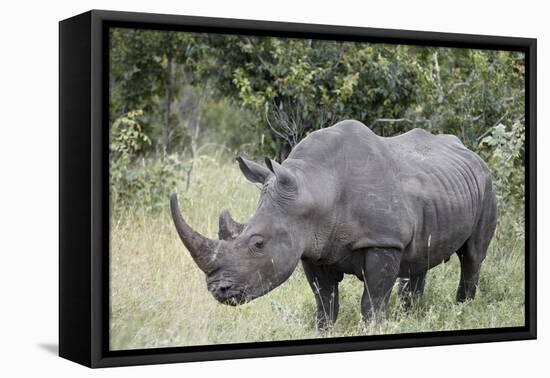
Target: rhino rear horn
x=200, y=247
x=229, y=229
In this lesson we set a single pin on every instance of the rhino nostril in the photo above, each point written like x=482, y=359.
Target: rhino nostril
x=223, y=289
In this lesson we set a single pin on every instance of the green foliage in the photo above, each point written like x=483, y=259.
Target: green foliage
x=504, y=152
x=294, y=86
x=465, y=92
x=138, y=66
x=127, y=137
x=297, y=86
x=149, y=70
x=301, y=85
x=143, y=183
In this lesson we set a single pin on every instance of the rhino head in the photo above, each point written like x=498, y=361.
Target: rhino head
x=251, y=259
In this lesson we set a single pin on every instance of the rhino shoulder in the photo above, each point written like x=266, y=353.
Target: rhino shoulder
x=331, y=141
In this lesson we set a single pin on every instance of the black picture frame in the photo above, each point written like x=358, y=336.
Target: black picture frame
x=83, y=193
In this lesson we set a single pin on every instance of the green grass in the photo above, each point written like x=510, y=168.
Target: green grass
x=159, y=297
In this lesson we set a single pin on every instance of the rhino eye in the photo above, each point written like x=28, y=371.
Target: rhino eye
x=257, y=242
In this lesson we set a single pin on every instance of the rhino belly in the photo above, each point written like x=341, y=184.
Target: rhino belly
x=441, y=229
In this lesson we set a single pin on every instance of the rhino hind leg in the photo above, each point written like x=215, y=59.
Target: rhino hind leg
x=324, y=281
x=473, y=252
x=471, y=256
x=469, y=273
x=411, y=290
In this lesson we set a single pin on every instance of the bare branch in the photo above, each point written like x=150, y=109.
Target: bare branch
x=287, y=121
x=455, y=87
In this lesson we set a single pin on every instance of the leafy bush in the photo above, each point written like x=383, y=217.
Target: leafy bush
x=127, y=136
x=503, y=150
x=138, y=182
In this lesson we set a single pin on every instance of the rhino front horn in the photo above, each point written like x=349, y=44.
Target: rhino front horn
x=199, y=246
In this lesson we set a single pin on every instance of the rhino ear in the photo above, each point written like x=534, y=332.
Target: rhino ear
x=284, y=177
x=253, y=171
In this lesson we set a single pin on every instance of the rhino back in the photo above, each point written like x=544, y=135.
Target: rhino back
x=419, y=192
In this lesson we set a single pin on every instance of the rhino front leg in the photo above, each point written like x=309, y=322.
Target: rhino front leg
x=323, y=281
x=380, y=270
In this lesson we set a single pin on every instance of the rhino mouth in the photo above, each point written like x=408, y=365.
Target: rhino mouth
x=235, y=300
x=228, y=294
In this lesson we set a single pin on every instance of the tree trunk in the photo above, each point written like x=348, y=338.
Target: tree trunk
x=165, y=140
x=195, y=133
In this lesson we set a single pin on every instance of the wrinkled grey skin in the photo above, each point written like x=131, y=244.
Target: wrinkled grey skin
x=347, y=201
